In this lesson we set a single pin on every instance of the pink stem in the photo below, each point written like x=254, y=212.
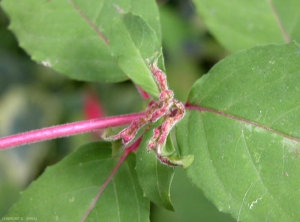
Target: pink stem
x=144, y=94
x=128, y=150
x=66, y=130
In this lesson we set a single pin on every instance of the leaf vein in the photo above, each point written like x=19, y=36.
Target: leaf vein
x=157, y=180
x=99, y=11
x=253, y=91
x=260, y=179
x=278, y=20
x=203, y=109
x=91, y=24
x=284, y=114
x=135, y=192
x=212, y=163
x=117, y=201
x=212, y=88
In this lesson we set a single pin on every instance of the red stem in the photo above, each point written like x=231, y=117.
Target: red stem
x=144, y=94
x=66, y=130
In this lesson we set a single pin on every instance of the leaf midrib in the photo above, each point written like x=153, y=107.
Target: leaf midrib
x=239, y=119
x=90, y=23
x=285, y=35
x=201, y=109
x=260, y=179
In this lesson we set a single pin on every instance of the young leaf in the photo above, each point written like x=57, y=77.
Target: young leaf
x=72, y=36
x=132, y=43
x=155, y=178
x=243, y=129
x=65, y=191
x=239, y=24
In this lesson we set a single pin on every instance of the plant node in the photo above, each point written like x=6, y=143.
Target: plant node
x=168, y=108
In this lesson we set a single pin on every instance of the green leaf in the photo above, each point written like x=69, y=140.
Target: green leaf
x=155, y=178
x=243, y=129
x=72, y=36
x=239, y=24
x=132, y=43
x=65, y=191
x=184, y=193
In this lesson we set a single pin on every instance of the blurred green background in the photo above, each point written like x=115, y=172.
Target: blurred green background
x=33, y=96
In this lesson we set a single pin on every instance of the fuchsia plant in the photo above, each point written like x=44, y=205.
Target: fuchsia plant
x=167, y=108
x=237, y=136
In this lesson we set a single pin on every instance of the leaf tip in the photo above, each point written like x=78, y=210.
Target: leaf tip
x=174, y=160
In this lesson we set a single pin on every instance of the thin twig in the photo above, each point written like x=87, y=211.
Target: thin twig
x=144, y=94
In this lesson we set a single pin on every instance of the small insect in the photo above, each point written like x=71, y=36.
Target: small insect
x=168, y=108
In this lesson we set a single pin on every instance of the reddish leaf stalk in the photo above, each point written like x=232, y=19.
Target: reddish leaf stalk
x=144, y=94
x=66, y=130
x=127, y=151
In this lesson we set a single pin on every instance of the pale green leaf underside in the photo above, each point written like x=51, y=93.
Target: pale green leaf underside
x=65, y=191
x=239, y=24
x=72, y=36
x=132, y=43
x=155, y=178
x=243, y=128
